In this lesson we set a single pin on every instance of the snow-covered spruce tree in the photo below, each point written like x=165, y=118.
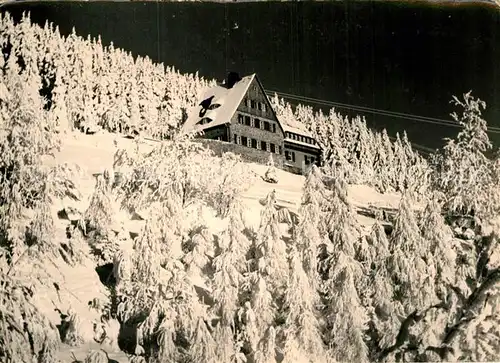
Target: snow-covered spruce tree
x=302, y=335
x=27, y=187
x=309, y=233
x=266, y=281
x=400, y=165
x=27, y=140
x=463, y=171
x=178, y=172
x=444, y=308
x=379, y=292
x=230, y=267
x=364, y=152
x=389, y=165
x=414, y=283
x=26, y=335
x=270, y=249
x=160, y=291
x=98, y=220
x=271, y=173
x=413, y=275
x=442, y=250
x=230, y=179
x=345, y=316
x=99, y=213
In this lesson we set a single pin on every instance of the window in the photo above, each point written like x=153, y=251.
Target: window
x=244, y=141
x=259, y=106
x=235, y=138
x=293, y=156
x=274, y=127
x=288, y=156
x=263, y=145
x=252, y=104
x=257, y=123
x=241, y=119
x=204, y=120
x=306, y=159
x=272, y=147
x=254, y=144
x=267, y=126
x=247, y=120
x=279, y=149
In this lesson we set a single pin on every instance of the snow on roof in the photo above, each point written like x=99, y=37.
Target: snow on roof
x=229, y=100
x=296, y=130
x=297, y=142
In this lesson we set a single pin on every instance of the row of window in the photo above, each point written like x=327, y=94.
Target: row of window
x=301, y=138
x=261, y=106
x=257, y=123
x=257, y=144
x=290, y=156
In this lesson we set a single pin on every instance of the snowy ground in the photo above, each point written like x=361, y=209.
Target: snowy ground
x=93, y=154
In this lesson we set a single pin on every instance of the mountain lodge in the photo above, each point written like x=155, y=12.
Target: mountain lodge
x=239, y=112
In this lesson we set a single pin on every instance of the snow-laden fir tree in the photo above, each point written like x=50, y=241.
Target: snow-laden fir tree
x=265, y=283
x=99, y=213
x=270, y=248
x=271, y=173
x=384, y=322
x=230, y=179
x=345, y=316
x=302, y=334
x=309, y=233
x=463, y=169
x=412, y=277
x=160, y=290
x=266, y=352
x=442, y=249
x=230, y=267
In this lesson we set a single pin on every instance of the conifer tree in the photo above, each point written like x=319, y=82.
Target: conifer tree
x=346, y=318
x=408, y=263
x=381, y=291
x=463, y=169
x=230, y=265
x=302, y=330
x=271, y=250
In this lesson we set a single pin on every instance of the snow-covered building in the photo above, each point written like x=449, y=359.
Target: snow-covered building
x=239, y=112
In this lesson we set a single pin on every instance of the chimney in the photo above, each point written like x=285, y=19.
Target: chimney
x=232, y=79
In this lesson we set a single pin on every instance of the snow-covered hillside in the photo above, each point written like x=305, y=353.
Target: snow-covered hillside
x=171, y=254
